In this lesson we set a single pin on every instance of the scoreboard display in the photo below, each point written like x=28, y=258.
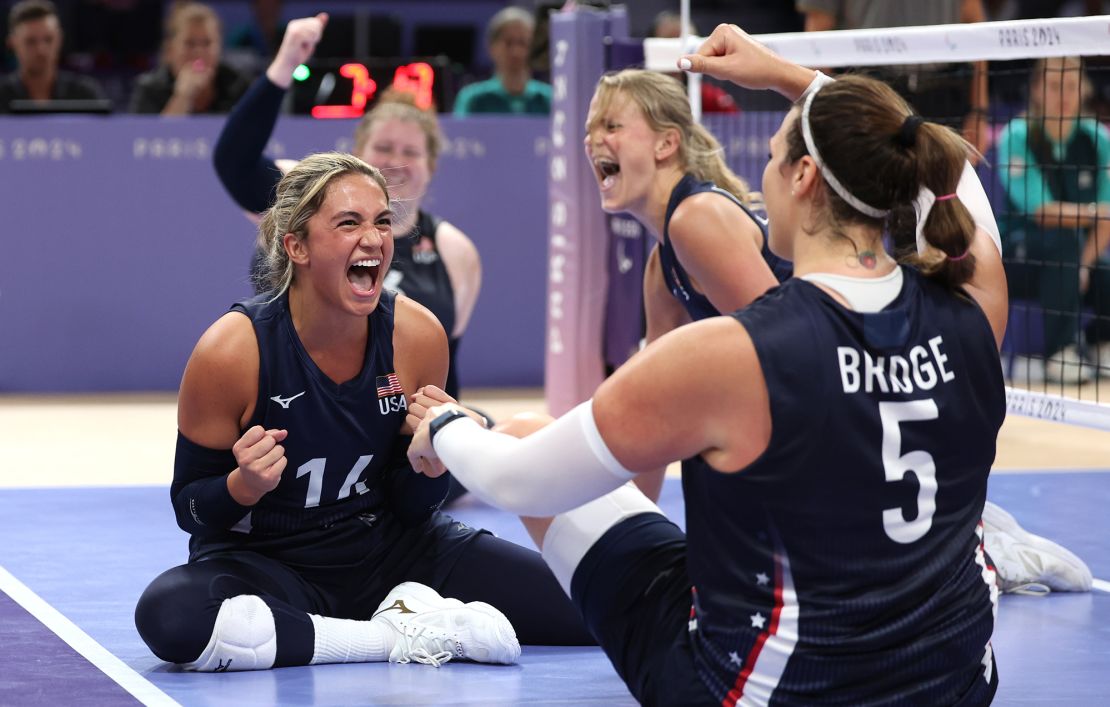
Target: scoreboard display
x=347, y=89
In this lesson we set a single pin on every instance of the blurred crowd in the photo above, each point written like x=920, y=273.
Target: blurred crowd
x=180, y=57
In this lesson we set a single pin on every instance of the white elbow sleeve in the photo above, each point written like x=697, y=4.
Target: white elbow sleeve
x=974, y=198
x=558, y=468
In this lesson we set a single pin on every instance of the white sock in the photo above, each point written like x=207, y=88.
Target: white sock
x=350, y=641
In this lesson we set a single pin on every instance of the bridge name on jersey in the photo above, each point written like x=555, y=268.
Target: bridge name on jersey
x=921, y=369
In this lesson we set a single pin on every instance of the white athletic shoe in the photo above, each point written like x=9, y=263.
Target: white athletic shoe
x=1101, y=358
x=1068, y=366
x=432, y=629
x=1029, y=564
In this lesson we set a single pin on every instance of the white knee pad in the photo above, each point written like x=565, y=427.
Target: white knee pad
x=572, y=534
x=244, y=638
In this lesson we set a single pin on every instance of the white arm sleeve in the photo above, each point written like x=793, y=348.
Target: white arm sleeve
x=554, y=470
x=974, y=198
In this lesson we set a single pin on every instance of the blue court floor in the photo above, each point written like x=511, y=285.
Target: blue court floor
x=80, y=558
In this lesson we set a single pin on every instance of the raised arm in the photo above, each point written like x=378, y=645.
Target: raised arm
x=245, y=171
x=730, y=54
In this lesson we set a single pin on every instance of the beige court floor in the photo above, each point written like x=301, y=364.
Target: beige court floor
x=108, y=440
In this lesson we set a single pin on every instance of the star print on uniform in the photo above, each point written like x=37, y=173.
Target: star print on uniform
x=762, y=579
x=693, y=625
x=758, y=620
x=734, y=658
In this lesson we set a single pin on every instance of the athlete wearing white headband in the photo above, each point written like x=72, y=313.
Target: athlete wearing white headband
x=836, y=453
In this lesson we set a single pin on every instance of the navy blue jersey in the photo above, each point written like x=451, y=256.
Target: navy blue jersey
x=678, y=281
x=845, y=564
x=341, y=436
x=418, y=271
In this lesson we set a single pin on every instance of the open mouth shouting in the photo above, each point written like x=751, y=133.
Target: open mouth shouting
x=363, y=276
x=606, y=171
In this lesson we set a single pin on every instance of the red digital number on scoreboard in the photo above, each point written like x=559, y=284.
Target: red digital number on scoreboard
x=417, y=78
x=363, y=90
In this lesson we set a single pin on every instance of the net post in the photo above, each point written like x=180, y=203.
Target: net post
x=577, y=241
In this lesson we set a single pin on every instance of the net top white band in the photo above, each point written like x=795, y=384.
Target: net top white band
x=1016, y=39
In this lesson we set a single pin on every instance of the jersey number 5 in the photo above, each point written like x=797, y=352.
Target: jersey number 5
x=918, y=463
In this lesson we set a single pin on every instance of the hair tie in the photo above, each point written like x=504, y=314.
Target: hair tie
x=955, y=258
x=946, y=197
x=907, y=135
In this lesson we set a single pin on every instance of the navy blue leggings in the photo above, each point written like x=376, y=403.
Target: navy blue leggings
x=177, y=612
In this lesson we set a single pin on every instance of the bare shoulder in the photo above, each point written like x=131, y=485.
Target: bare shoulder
x=228, y=345
x=220, y=382
x=419, y=345
x=414, y=323
x=700, y=214
x=697, y=390
x=455, y=247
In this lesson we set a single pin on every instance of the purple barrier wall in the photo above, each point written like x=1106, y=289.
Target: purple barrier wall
x=120, y=246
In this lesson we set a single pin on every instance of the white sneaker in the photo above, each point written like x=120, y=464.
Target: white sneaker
x=1101, y=358
x=1067, y=366
x=432, y=629
x=1027, y=563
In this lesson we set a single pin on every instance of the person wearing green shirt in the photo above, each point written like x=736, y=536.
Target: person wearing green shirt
x=512, y=89
x=1053, y=163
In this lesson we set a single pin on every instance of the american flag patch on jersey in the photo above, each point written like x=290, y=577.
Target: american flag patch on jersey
x=389, y=385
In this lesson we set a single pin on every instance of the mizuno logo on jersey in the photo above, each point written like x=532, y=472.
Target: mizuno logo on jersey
x=284, y=402
x=389, y=385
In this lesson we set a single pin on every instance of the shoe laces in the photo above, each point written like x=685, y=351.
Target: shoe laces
x=413, y=647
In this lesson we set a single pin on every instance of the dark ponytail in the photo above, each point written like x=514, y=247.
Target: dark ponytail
x=883, y=155
x=949, y=228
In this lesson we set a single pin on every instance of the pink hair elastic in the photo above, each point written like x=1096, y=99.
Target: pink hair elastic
x=959, y=257
x=946, y=197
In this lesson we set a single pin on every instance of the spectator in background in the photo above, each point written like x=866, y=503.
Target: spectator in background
x=35, y=37
x=714, y=99
x=1053, y=163
x=251, y=45
x=512, y=88
x=191, y=79
x=941, y=92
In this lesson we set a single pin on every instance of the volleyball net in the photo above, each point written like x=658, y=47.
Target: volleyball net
x=1032, y=95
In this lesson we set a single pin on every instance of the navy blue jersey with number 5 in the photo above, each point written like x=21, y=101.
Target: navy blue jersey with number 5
x=845, y=564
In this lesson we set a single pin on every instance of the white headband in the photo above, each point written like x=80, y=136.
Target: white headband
x=833, y=182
